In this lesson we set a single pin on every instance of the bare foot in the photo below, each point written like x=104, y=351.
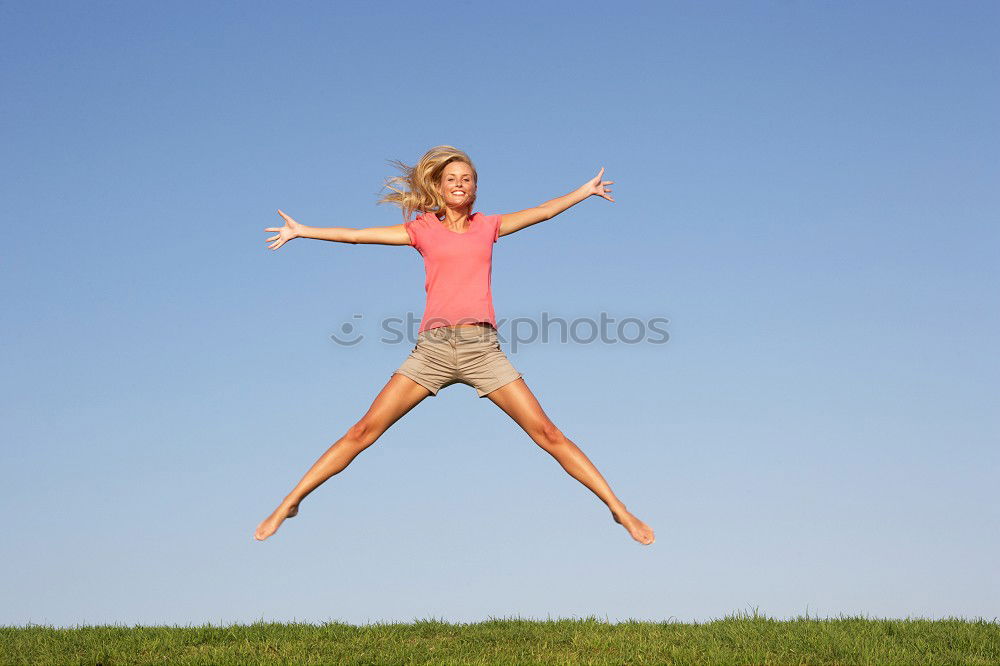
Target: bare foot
x=639, y=530
x=270, y=525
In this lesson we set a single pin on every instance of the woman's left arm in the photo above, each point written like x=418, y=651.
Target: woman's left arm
x=511, y=222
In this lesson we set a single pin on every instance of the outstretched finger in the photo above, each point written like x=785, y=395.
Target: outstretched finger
x=272, y=238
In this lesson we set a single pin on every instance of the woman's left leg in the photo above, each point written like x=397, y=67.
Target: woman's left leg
x=517, y=400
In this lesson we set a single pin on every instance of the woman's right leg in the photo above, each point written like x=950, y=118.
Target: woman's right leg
x=400, y=395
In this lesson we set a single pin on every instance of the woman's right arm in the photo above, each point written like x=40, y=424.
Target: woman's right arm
x=394, y=235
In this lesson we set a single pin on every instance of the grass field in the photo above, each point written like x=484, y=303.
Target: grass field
x=736, y=639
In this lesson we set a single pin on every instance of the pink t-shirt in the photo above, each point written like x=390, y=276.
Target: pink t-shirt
x=459, y=268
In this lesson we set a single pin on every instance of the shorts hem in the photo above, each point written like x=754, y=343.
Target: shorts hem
x=433, y=390
x=484, y=393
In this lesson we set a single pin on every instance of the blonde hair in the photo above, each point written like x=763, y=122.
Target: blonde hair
x=417, y=188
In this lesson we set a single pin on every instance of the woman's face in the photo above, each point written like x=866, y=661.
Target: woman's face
x=458, y=185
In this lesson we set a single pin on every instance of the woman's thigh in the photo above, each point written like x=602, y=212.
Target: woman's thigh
x=399, y=395
x=520, y=404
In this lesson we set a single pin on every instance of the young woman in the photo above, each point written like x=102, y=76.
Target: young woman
x=457, y=340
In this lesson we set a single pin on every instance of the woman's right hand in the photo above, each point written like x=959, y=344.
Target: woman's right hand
x=286, y=233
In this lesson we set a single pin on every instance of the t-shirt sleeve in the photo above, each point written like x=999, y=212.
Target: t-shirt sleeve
x=497, y=219
x=413, y=230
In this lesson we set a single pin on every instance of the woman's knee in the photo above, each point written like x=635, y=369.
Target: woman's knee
x=547, y=434
x=363, y=432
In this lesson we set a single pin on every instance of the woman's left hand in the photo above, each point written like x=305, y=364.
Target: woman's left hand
x=597, y=186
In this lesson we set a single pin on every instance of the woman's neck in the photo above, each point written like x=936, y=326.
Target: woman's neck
x=455, y=219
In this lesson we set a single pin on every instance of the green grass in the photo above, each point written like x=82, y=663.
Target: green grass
x=736, y=639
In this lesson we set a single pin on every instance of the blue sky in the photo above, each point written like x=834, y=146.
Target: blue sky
x=807, y=191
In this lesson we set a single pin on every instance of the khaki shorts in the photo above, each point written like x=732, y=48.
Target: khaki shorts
x=468, y=354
